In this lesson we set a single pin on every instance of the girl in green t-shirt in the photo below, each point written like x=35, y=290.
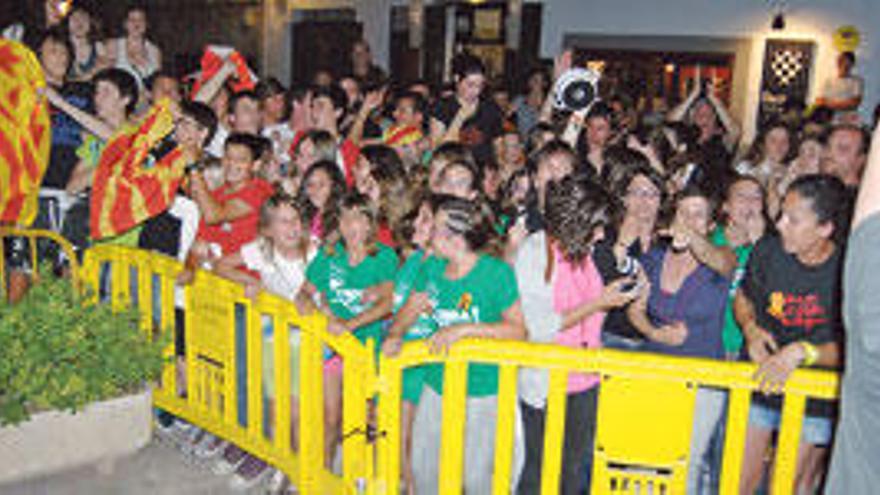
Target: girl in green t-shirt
x=468, y=293
x=351, y=262
x=415, y=233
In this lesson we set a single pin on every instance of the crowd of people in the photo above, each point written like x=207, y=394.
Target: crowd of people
x=405, y=211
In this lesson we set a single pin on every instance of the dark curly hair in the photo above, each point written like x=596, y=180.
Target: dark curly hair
x=474, y=221
x=575, y=208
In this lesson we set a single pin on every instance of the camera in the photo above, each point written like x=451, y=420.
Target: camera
x=576, y=89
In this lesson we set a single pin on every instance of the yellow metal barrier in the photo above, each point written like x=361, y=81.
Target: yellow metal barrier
x=644, y=417
x=36, y=241
x=224, y=389
x=224, y=345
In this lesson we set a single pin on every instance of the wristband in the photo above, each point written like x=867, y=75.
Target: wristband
x=811, y=353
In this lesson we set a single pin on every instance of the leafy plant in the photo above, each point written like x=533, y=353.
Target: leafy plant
x=60, y=349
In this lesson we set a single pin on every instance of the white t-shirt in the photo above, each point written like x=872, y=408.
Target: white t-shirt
x=279, y=275
x=281, y=136
x=215, y=147
x=843, y=88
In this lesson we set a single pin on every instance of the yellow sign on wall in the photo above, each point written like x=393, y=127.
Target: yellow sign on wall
x=847, y=38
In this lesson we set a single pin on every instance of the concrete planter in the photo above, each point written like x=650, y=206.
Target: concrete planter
x=55, y=441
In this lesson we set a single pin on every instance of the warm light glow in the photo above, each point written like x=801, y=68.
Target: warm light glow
x=596, y=65
x=63, y=7
x=669, y=68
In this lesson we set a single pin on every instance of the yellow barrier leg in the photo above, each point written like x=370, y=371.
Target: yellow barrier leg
x=452, y=441
x=554, y=432
x=734, y=439
x=504, y=428
x=389, y=447
x=354, y=419
x=788, y=443
x=311, y=418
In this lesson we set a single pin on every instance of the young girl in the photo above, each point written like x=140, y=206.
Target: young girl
x=322, y=187
x=314, y=146
x=681, y=312
x=351, y=262
x=472, y=294
x=415, y=238
x=279, y=256
x=564, y=301
x=380, y=176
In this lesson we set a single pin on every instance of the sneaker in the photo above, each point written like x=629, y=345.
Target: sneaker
x=188, y=446
x=250, y=473
x=180, y=433
x=277, y=482
x=209, y=447
x=229, y=461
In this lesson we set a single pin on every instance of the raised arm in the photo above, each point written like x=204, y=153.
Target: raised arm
x=372, y=101
x=560, y=64
x=731, y=128
x=678, y=113
x=88, y=121
x=209, y=89
x=444, y=134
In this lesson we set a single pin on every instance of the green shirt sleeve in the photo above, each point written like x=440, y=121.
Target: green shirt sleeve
x=504, y=288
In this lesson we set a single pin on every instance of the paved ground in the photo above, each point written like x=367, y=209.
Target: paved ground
x=158, y=469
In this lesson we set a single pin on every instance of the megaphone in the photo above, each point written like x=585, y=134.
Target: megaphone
x=576, y=89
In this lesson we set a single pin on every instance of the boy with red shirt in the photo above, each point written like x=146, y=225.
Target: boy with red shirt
x=230, y=213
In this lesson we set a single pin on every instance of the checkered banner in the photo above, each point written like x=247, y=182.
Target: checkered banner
x=786, y=75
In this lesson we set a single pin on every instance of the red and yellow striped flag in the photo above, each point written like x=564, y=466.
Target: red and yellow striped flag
x=25, y=133
x=136, y=177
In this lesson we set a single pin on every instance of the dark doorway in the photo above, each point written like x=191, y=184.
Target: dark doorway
x=654, y=79
x=320, y=44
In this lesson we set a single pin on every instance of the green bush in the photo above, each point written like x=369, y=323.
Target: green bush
x=60, y=350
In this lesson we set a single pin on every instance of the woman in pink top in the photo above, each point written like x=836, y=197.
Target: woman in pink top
x=564, y=302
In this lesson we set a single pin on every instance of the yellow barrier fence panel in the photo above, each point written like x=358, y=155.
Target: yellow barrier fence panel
x=214, y=310
x=505, y=428
x=454, y=415
x=645, y=410
x=627, y=439
x=554, y=431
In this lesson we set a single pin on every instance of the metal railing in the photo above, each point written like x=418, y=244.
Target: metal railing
x=645, y=407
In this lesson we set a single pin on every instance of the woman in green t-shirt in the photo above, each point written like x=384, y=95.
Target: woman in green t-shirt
x=351, y=262
x=468, y=293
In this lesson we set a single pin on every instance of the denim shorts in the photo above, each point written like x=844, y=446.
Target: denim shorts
x=817, y=430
